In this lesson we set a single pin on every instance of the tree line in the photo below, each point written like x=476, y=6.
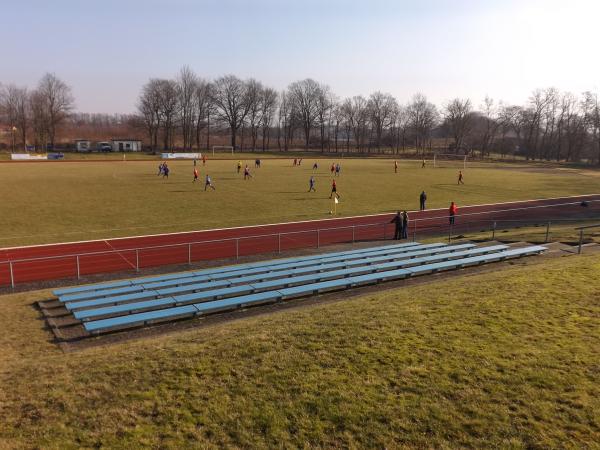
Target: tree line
x=187, y=111
x=40, y=111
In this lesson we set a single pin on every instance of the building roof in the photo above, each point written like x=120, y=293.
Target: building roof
x=126, y=139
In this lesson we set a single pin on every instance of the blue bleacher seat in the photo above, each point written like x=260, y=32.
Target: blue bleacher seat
x=223, y=273
x=110, y=300
x=115, y=310
x=140, y=318
x=281, y=283
x=233, y=268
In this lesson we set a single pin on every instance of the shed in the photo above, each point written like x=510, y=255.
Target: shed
x=126, y=145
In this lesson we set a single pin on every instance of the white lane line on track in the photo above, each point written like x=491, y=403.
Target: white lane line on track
x=120, y=254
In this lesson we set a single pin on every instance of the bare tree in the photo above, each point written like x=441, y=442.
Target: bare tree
x=304, y=96
x=39, y=118
x=14, y=103
x=254, y=97
x=459, y=119
x=345, y=113
x=285, y=121
x=488, y=125
x=186, y=92
x=324, y=105
x=149, y=108
x=57, y=101
x=231, y=101
x=269, y=108
x=591, y=112
x=422, y=117
x=203, y=104
x=359, y=118
x=383, y=109
x=168, y=99
x=402, y=123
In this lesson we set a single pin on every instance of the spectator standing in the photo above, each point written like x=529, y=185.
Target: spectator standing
x=422, y=200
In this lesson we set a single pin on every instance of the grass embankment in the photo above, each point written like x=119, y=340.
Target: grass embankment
x=509, y=359
x=54, y=202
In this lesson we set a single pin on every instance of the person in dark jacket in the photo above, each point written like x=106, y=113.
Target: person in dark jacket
x=397, y=220
x=404, y=225
x=422, y=200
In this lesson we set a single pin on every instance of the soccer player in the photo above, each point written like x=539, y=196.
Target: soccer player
x=315, y=166
x=257, y=164
x=337, y=169
x=423, y=164
x=247, y=172
x=395, y=166
x=160, y=169
x=452, y=212
x=208, y=183
x=239, y=166
x=334, y=190
x=460, y=177
x=166, y=171
x=311, y=184
x=295, y=161
x=203, y=159
x=422, y=200
x=194, y=162
x=332, y=168
x=195, y=174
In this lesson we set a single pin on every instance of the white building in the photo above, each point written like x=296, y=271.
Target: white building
x=83, y=145
x=126, y=145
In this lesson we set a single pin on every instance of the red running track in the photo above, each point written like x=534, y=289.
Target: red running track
x=55, y=261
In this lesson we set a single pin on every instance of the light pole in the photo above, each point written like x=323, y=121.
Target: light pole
x=14, y=130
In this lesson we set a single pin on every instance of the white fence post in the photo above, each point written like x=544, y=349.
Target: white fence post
x=12, y=277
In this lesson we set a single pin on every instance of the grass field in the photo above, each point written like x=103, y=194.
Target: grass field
x=60, y=202
x=508, y=359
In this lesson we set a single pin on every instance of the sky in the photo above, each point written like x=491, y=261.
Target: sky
x=106, y=50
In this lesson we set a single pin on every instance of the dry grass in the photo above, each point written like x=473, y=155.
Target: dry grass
x=79, y=201
x=509, y=359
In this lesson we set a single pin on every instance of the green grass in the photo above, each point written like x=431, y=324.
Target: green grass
x=79, y=201
x=509, y=359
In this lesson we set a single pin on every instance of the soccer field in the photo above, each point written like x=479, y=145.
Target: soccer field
x=57, y=202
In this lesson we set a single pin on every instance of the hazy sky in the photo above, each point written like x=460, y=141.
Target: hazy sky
x=106, y=50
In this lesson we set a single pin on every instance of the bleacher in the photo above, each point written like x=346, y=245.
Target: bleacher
x=132, y=303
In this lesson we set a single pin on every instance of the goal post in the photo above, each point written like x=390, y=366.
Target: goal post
x=222, y=148
x=449, y=160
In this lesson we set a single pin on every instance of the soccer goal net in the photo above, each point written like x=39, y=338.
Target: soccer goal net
x=449, y=160
x=222, y=148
